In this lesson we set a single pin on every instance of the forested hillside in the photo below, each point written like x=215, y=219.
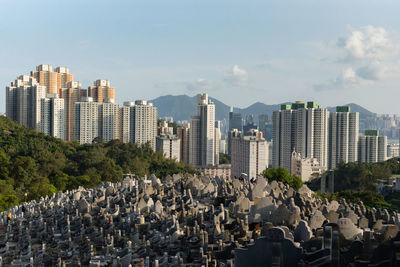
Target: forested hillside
x=34, y=165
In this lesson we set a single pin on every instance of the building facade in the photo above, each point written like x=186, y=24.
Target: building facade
x=343, y=136
x=86, y=120
x=71, y=94
x=372, y=147
x=53, y=80
x=143, y=123
x=52, y=116
x=249, y=154
x=302, y=127
x=169, y=145
x=305, y=168
x=202, y=134
x=101, y=90
x=183, y=135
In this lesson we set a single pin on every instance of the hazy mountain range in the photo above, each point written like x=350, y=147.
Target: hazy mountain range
x=182, y=107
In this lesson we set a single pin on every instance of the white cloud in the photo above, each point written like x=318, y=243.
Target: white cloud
x=198, y=85
x=347, y=79
x=367, y=43
x=370, y=54
x=236, y=76
x=373, y=71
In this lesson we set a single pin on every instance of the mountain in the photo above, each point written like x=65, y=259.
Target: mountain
x=182, y=107
x=364, y=113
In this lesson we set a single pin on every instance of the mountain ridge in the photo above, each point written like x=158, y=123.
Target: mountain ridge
x=182, y=107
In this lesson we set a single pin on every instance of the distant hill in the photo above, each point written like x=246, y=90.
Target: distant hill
x=356, y=108
x=182, y=107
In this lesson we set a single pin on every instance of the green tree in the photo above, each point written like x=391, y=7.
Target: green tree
x=282, y=175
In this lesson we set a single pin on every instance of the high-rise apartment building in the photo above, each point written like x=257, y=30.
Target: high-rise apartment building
x=125, y=124
x=300, y=127
x=372, y=147
x=249, y=153
x=202, y=133
x=343, y=136
x=143, y=119
x=217, y=140
x=52, y=116
x=101, y=90
x=53, y=80
x=109, y=120
x=71, y=94
x=23, y=101
x=183, y=135
x=86, y=120
x=169, y=145
x=194, y=141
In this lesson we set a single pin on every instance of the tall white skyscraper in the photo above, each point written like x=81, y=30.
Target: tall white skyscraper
x=249, y=153
x=343, y=136
x=86, y=120
x=372, y=147
x=202, y=133
x=109, y=120
x=143, y=123
x=217, y=141
x=52, y=116
x=302, y=128
x=23, y=101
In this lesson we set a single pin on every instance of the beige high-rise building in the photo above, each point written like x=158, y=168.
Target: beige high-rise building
x=53, y=80
x=249, y=153
x=101, y=90
x=71, y=94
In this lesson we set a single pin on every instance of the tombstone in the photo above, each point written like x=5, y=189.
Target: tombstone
x=302, y=232
x=348, y=229
x=316, y=220
x=363, y=223
x=332, y=216
x=272, y=249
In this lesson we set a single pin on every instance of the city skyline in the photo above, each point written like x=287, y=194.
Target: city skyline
x=176, y=47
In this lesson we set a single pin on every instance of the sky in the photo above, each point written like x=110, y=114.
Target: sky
x=240, y=52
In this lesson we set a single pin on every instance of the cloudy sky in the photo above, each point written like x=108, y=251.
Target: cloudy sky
x=333, y=52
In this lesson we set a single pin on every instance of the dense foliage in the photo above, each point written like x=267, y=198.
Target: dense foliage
x=369, y=198
x=224, y=158
x=357, y=181
x=34, y=165
x=363, y=176
x=282, y=175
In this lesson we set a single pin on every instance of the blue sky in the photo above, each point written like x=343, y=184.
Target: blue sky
x=240, y=52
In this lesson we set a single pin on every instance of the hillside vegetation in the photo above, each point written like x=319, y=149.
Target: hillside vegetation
x=34, y=165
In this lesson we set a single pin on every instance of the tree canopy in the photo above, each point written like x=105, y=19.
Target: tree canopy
x=33, y=164
x=282, y=175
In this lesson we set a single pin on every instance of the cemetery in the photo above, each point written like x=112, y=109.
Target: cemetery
x=189, y=220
